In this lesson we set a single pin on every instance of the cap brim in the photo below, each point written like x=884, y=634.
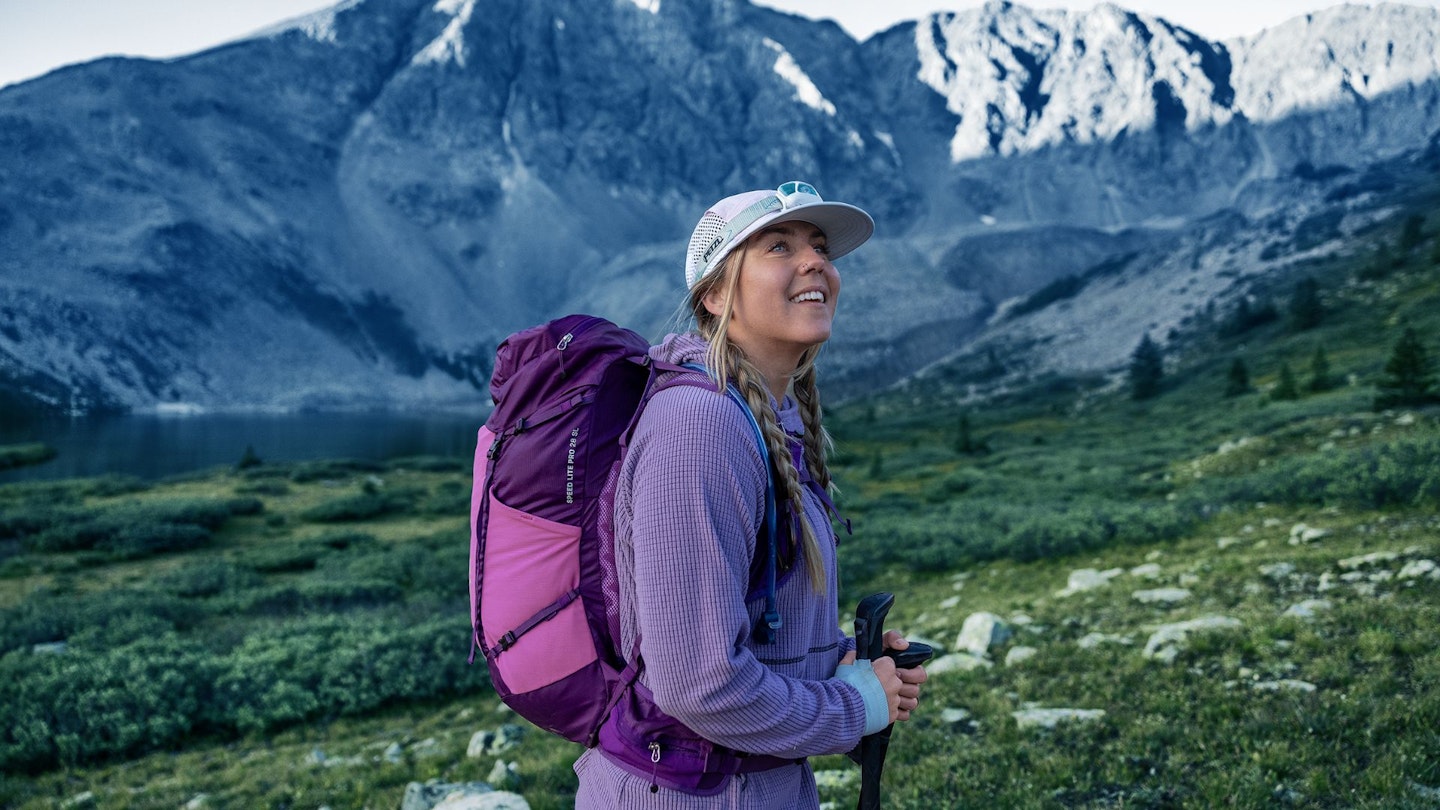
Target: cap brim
x=845, y=226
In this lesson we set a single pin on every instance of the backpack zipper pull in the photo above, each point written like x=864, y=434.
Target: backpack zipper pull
x=560, y=347
x=655, y=759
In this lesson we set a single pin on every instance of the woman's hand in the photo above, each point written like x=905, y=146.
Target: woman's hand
x=902, y=686
x=909, y=691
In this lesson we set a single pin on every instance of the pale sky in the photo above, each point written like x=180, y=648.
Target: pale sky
x=37, y=36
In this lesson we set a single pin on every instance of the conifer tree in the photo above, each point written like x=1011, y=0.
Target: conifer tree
x=1306, y=311
x=1147, y=369
x=964, y=442
x=1285, y=389
x=1412, y=233
x=1239, y=379
x=1409, y=377
x=1320, y=371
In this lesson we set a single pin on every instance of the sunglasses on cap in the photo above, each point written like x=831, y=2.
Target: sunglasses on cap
x=789, y=195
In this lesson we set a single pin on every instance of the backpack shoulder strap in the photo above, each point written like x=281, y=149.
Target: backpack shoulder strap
x=768, y=541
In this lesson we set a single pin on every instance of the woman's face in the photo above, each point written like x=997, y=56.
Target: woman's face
x=785, y=298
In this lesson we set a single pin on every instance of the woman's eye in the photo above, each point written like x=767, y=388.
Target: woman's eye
x=822, y=249
x=778, y=246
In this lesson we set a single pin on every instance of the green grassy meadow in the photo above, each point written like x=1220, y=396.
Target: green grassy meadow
x=295, y=635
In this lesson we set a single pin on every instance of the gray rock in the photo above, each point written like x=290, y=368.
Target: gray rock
x=394, y=753
x=1161, y=596
x=1050, y=718
x=951, y=716
x=494, y=743
x=1018, y=655
x=1366, y=560
x=499, y=800
x=1088, y=579
x=1285, y=684
x=1307, y=608
x=438, y=795
x=1420, y=568
x=1093, y=640
x=1168, y=640
x=1301, y=534
x=50, y=648
x=981, y=632
x=1277, y=571
x=504, y=775
x=957, y=662
x=1146, y=571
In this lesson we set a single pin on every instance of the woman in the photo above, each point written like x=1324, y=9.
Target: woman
x=742, y=712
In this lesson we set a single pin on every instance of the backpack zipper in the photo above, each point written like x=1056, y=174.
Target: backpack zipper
x=570, y=336
x=655, y=760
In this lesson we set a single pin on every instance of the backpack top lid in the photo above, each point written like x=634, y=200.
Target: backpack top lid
x=516, y=356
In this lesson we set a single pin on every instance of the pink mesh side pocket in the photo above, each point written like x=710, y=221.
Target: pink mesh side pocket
x=530, y=564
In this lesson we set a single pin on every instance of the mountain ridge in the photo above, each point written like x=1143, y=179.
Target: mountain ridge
x=350, y=209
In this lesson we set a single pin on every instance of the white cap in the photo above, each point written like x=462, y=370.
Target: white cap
x=731, y=221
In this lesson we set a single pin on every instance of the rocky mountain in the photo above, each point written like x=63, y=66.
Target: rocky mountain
x=349, y=210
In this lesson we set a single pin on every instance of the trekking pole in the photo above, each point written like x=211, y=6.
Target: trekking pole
x=869, y=645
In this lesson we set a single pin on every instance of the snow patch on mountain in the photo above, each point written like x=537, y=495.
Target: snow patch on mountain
x=805, y=90
x=652, y=6
x=450, y=45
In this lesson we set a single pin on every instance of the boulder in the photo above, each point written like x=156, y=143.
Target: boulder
x=1168, y=640
x=1277, y=571
x=438, y=795
x=1161, y=596
x=1284, y=685
x=1307, y=609
x=1365, y=560
x=504, y=775
x=1088, y=579
x=1146, y=571
x=496, y=742
x=981, y=632
x=1420, y=568
x=957, y=662
x=1301, y=533
x=1018, y=655
x=1092, y=640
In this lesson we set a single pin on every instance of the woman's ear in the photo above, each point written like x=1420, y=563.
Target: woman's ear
x=714, y=299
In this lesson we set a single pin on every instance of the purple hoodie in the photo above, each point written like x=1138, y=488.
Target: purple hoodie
x=688, y=510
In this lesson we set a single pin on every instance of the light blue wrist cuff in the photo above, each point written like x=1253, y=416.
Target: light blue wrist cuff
x=861, y=675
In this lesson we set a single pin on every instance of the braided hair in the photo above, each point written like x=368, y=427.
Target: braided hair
x=728, y=363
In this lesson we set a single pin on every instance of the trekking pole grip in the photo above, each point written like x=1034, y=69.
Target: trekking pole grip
x=870, y=625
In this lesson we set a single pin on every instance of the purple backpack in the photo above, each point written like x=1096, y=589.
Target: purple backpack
x=543, y=587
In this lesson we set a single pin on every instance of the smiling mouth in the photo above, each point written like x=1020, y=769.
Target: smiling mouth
x=812, y=295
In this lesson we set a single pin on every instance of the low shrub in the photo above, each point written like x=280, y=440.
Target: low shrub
x=199, y=580
x=371, y=502
x=129, y=529
x=307, y=472
x=278, y=557
x=23, y=455
x=67, y=709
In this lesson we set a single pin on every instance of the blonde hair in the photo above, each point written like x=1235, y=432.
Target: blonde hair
x=728, y=363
